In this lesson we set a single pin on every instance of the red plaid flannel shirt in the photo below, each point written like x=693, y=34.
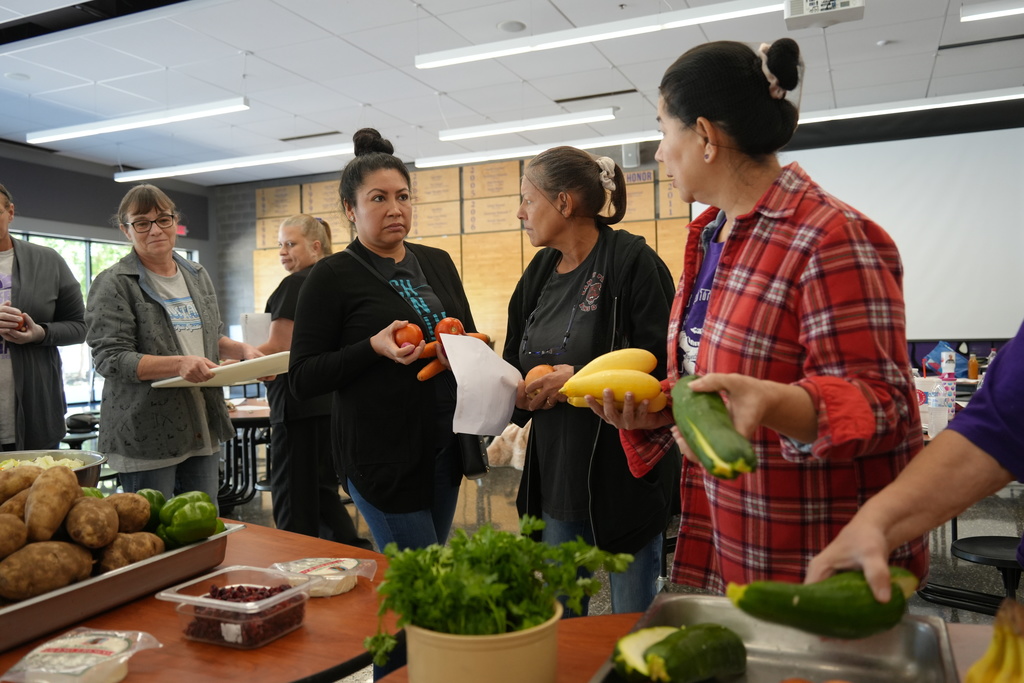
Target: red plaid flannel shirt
x=809, y=292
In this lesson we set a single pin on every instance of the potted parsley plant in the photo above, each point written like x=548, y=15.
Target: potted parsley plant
x=470, y=598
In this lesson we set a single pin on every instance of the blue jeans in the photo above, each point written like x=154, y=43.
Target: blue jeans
x=198, y=473
x=423, y=527
x=632, y=590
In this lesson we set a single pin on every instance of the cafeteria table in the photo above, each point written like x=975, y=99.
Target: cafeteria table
x=328, y=646
x=251, y=420
x=585, y=643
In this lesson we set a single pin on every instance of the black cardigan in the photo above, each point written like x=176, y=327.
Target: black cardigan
x=385, y=421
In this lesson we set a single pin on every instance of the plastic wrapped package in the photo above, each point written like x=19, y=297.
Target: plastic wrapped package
x=81, y=655
x=340, y=574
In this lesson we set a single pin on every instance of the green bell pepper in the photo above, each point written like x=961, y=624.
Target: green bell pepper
x=180, y=501
x=191, y=522
x=92, y=492
x=156, y=502
x=169, y=543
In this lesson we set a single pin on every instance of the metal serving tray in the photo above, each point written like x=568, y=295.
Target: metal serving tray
x=23, y=621
x=917, y=650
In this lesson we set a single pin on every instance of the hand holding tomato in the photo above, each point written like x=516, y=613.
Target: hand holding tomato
x=410, y=334
x=387, y=345
x=448, y=326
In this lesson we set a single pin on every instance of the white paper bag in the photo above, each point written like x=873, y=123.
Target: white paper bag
x=487, y=386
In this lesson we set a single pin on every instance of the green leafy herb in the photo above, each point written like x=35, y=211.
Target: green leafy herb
x=490, y=582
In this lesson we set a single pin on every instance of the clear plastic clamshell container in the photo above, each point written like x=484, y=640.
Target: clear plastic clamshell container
x=247, y=624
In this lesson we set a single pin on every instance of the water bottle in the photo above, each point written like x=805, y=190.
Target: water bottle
x=938, y=416
x=947, y=383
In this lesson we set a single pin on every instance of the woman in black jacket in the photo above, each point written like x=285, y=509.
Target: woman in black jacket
x=393, y=439
x=592, y=290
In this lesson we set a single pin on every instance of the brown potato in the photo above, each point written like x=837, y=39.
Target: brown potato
x=15, y=505
x=132, y=511
x=13, y=534
x=129, y=548
x=42, y=567
x=17, y=479
x=91, y=522
x=49, y=500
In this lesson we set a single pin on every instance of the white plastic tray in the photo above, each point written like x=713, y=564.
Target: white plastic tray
x=234, y=373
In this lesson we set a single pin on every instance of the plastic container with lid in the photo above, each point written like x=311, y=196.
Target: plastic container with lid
x=339, y=574
x=272, y=604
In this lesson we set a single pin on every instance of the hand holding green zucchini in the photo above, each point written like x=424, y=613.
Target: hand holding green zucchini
x=841, y=606
x=707, y=428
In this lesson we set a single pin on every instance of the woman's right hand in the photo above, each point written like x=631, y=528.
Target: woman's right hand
x=195, y=368
x=384, y=345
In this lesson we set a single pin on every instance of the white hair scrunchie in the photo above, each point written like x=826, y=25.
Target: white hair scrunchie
x=774, y=89
x=607, y=174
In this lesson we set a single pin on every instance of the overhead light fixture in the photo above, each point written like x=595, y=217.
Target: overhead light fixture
x=598, y=32
x=540, y=123
x=532, y=150
x=993, y=9
x=908, y=106
x=237, y=162
x=158, y=118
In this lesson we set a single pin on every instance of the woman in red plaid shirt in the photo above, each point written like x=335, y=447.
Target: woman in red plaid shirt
x=791, y=292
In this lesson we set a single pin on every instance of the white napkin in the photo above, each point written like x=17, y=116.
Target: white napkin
x=487, y=386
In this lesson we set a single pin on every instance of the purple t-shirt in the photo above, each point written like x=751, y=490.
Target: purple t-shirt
x=697, y=306
x=991, y=421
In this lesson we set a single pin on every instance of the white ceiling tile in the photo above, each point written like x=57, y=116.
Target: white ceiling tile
x=40, y=78
x=876, y=94
x=582, y=83
x=343, y=17
x=251, y=24
x=323, y=59
x=876, y=72
x=86, y=60
x=980, y=59
x=379, y=86
x=479, y=24
x=242, y=75
x=304, y=97
x=960, y=84
x=553, y=62
x=163, y=41
x=168, y=89
x=97, y=102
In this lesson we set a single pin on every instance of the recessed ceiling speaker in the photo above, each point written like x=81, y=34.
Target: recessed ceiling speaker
x=631, y=155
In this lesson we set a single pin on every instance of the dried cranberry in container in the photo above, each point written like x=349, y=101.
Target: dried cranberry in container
x=82, y=655
x=241, y=607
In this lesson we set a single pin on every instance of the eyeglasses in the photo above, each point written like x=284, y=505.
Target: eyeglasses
x=565, y=339
x=165, y=221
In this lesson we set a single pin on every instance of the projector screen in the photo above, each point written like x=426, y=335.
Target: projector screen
x=955, y=207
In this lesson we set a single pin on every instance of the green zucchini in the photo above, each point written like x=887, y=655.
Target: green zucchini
x=707, y=428
x=628, y=656
x=696, y=653
x=841, y=606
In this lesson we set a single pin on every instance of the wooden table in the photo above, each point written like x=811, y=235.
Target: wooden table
x=584, y=644
x=327, y=647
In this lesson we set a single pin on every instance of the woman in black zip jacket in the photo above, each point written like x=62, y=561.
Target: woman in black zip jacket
x=592, y=290
x=392, y=434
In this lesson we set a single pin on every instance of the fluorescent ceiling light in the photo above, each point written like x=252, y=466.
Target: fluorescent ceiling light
x=991, y=10
x=532, y=150
x=907, y=106
x=237, y=162
x=598, y=32
x=526, y=124
x=158, y=118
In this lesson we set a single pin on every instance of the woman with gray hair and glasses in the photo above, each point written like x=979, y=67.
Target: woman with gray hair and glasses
x=592, y=289
x=150, y=316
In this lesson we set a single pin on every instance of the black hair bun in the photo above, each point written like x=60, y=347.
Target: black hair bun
x=369, y=140
x=784, y=62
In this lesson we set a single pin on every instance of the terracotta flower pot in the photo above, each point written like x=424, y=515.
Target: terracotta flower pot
x=529, y=655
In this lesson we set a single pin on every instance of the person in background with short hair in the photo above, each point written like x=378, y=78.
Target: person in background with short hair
x=150, y=316
x=591, y=290
x=303, y=483
x=396, y=451
x=787, y=289
x=41, y=308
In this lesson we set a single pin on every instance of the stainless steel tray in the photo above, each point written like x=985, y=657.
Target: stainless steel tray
x=917, y=650
x=23, y=621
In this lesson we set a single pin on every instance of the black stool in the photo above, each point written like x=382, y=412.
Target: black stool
x=995, y=551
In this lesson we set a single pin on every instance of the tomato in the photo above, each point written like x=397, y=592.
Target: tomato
x=536, y=373
x=23, y=327
x=448, y=326
x=410, y=334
